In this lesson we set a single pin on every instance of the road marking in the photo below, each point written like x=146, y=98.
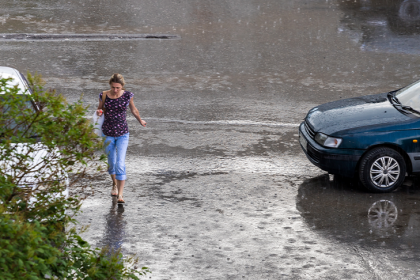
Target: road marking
x=227, y=122
x=220, y=122
x=83, y=37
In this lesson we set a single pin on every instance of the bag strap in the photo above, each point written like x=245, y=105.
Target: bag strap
x=103, y=101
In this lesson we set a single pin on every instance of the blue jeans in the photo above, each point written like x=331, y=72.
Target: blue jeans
x=115, y=149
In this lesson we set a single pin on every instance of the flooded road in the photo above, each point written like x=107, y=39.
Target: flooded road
x=218, y=187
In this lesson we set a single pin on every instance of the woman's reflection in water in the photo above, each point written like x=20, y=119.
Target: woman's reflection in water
x=115, y=227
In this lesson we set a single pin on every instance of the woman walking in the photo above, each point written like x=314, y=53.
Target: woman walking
x=114, y=103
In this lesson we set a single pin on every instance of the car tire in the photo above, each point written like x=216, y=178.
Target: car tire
x=382, y=170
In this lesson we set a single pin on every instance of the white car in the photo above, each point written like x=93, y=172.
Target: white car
x=38, y=153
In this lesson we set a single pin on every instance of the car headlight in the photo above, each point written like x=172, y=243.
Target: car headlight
x=327, y=141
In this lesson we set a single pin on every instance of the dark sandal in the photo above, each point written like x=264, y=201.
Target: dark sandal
x=120, y=199
x=114, y=191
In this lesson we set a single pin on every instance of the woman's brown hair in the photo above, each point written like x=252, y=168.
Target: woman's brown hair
x=117, y=78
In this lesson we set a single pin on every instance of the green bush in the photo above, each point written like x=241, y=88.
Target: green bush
x=33, y=243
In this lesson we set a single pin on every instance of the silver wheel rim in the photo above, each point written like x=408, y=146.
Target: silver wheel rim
x=382, y=214
x=384, y=172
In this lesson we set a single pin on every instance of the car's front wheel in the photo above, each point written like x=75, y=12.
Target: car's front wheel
x=382, y=170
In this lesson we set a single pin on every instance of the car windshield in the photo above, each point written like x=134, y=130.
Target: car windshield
x=410, y=96
x=11, y=123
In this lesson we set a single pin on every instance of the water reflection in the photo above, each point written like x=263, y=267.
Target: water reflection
x=115, y=226
x=340, y=209
x=382, y=24
x=382, y=214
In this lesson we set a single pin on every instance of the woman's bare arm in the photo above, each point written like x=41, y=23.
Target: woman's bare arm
x=136, y=112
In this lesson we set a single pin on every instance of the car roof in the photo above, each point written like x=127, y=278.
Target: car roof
x=9, y=72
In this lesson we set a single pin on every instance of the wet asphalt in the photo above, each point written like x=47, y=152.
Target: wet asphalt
x=218, y=187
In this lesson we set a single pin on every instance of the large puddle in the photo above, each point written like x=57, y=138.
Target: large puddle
x=340, y=209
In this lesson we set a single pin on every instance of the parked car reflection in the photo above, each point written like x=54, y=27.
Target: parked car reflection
x=382, y=214
x=380, y=24
x=341, y=210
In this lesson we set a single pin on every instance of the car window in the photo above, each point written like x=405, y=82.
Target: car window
x=27, y=104
x=11, y=124
x=410, y=95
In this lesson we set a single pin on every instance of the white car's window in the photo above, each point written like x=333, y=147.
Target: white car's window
x=11, y=123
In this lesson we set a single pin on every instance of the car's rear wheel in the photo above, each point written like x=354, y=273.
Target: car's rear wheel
x=382, y=170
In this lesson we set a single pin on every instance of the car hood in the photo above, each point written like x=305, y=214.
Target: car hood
x=343, y=115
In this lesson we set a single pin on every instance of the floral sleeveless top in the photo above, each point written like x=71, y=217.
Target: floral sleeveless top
x=115, y=123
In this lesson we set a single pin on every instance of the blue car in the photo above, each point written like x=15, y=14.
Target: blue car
x=375, y=138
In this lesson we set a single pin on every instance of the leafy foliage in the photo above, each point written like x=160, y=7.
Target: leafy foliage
x=46, y=145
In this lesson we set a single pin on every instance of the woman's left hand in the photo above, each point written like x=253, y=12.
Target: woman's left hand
x=136, y=112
